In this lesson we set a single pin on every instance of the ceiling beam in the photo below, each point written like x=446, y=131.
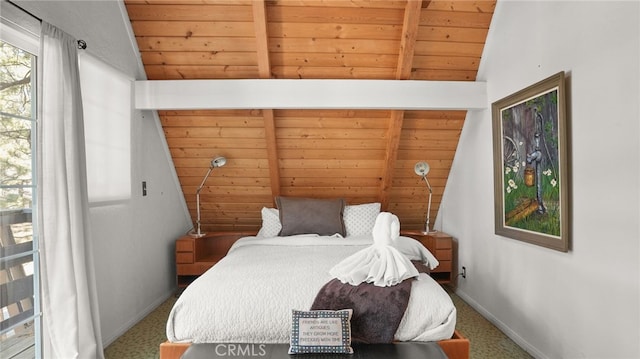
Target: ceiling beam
x=264, y=71
x=310, y=94
x=403, y=72
x=410, y=27
x=262, y=45
x=391, y=154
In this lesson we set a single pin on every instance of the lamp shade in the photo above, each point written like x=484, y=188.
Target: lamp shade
x=421, y=168
x=219, y=161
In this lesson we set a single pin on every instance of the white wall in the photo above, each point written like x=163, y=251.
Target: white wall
x=134, y=240
x=133, y=235
x=584, y=303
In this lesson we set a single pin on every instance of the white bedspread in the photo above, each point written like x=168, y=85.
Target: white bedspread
x=248, y=296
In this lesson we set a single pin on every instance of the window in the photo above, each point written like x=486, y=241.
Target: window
x=106, y=101
x=19, y=272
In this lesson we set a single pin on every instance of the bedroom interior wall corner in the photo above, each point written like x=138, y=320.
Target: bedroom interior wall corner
x=137, y=271
x=135, y=239
x=161, y=217
x=172, y=167
x=141, y=75
x=126, y=23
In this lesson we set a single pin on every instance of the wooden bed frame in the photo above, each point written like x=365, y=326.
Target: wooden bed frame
x=455, y=348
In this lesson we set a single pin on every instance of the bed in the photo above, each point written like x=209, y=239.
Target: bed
x=248, y=296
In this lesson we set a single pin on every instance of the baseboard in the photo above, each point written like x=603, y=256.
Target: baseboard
x=500, y=325
x=128, y=325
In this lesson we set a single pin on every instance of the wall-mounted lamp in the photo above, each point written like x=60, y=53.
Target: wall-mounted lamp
x=421, y=169
x=216, y=162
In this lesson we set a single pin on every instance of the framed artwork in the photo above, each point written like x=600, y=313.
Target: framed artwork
x=530, y=165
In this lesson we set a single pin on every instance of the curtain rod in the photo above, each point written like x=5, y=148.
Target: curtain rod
x=82, y=45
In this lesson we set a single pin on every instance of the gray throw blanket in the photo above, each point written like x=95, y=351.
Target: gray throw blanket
x=377, y=311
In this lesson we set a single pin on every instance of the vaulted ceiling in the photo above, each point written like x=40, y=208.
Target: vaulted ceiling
x=360, y=155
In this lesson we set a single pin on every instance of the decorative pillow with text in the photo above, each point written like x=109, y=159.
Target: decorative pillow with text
x=321, y=331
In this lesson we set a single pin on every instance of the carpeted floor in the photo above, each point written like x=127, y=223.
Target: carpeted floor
x=487, y=342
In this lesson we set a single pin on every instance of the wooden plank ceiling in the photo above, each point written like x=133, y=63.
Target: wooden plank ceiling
x=360, y=155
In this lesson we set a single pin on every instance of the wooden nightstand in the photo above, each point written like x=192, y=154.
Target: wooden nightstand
x=195, y=256
x=441, y=245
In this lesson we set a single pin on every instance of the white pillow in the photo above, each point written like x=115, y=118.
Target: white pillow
x=360, y=219
x=270, y=223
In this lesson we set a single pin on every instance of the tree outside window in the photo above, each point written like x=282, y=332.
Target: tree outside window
x=17, y=252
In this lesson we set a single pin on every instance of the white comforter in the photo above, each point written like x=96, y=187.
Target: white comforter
x=248, y=296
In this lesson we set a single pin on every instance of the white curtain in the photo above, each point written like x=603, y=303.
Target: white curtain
x=71, y=324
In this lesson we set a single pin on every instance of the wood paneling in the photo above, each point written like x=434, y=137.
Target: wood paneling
x=361, y=155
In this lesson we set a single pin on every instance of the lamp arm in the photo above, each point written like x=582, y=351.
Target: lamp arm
x=198, y=210
x=198, y=233
x=427, y=229
x=427, y=182
x=204, y=180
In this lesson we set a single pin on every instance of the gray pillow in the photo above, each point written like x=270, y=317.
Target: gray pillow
x=309, y=215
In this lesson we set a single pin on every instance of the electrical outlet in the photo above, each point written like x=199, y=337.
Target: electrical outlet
x=464, y=272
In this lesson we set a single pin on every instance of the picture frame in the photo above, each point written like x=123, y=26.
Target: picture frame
x=530, y=165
